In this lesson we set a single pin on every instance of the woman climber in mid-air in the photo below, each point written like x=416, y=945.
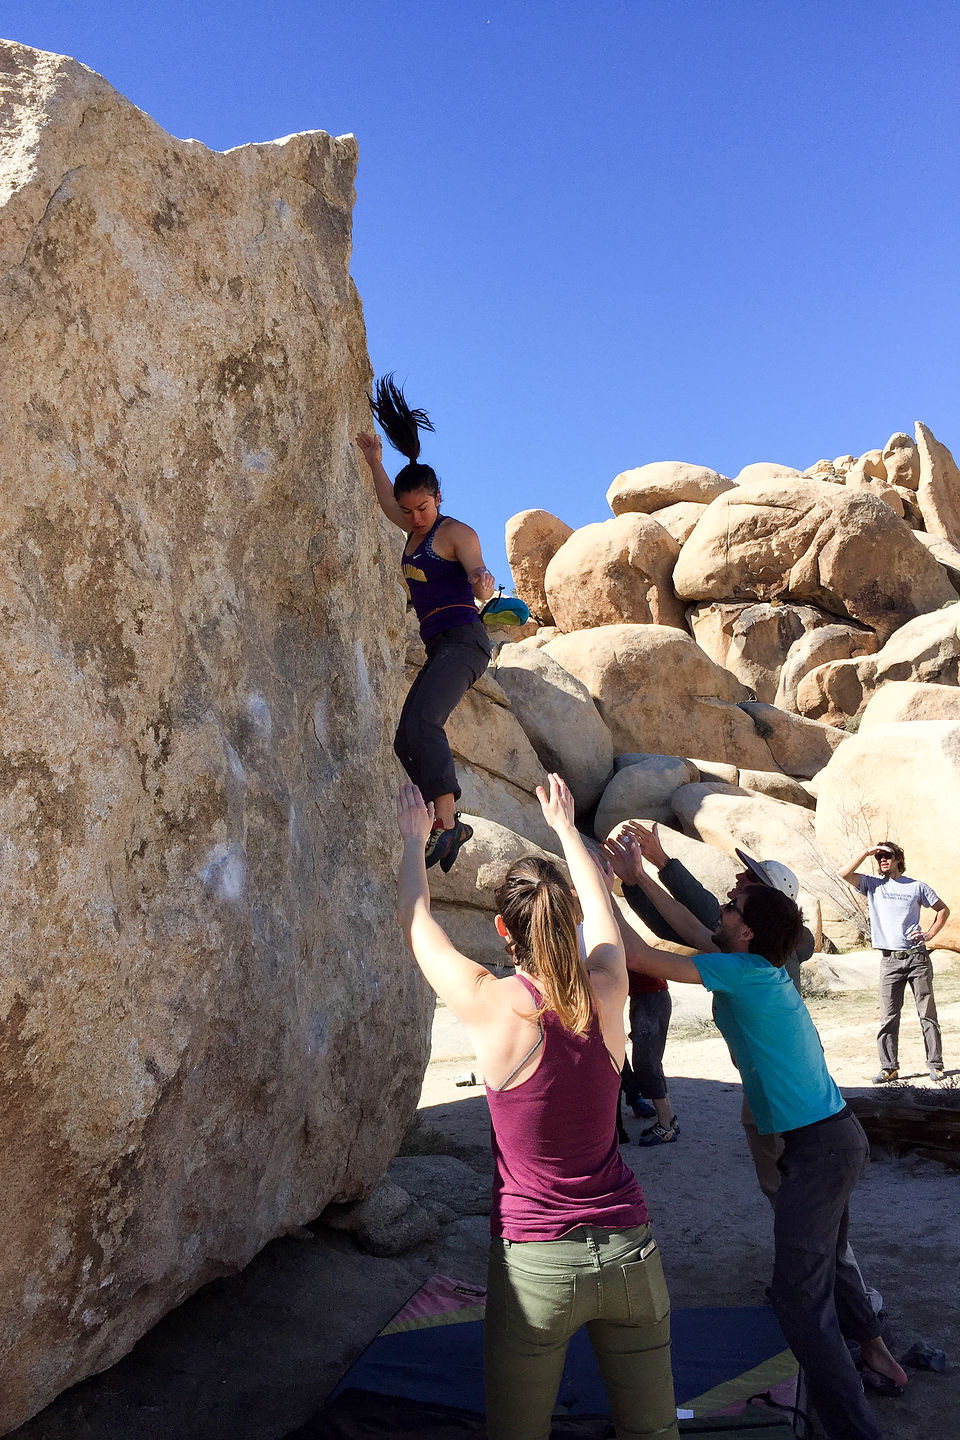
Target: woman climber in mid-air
x=445, y=575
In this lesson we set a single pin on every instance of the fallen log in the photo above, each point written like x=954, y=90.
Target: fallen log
x=932, y=1131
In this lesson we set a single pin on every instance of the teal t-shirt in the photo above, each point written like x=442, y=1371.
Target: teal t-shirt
x=773, y=1040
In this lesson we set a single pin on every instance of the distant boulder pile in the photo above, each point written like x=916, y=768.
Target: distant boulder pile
x=705, y=659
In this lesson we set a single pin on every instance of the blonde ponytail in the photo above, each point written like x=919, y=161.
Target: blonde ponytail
x=541, y=914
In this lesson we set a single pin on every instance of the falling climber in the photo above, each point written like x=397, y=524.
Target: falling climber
x=446, y=577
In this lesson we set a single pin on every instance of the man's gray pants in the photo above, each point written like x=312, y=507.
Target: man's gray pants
x=817, y=1294
x=898, y=969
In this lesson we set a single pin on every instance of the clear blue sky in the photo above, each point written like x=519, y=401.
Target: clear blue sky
x=593, y=235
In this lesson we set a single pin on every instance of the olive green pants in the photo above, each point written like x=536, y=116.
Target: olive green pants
x=540, y=1292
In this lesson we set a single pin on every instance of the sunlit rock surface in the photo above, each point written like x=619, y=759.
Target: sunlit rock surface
x=208, y=1026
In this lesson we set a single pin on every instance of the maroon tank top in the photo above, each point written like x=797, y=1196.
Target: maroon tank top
x=557, y=1163
x=441, y=593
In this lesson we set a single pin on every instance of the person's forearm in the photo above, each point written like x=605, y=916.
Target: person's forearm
x=940, y=919
x=849, y=870
x=413, y=892
x=641, y=904
x=585, y=878
x=384, y=488
x=678, y=917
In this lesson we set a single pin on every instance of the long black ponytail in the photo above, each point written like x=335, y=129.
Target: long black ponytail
x=402, y=426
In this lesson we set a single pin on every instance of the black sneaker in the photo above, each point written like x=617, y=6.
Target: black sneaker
x=658, y=1135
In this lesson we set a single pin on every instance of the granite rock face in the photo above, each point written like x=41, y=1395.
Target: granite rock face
x=202, y=660
x=842, y=550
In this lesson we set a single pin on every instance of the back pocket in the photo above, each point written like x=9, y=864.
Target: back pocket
x=647, y=1296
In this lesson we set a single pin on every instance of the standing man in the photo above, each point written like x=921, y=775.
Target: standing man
x=816, y=1293
x=895, y=901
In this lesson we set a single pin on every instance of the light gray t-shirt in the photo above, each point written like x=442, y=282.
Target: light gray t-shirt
x=894, y=904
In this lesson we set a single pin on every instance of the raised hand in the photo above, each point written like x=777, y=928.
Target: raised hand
x=371, y=447
x=607, y=873
x=625, y=857
x=648, y=842
x=557, y=807
x=482, y=582
x=414, y=819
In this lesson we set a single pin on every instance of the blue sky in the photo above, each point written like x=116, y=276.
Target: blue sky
x=593, y=235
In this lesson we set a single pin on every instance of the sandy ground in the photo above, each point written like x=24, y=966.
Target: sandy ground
x=251, y=1357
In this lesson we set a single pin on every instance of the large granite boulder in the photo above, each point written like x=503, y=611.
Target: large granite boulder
x=612, y=572
x=200, y=672
x=679, y=519
x=766, y=470
x=729, y=817
x=926, y=650
x=818, y=647
x=938, y=487
x=532, y=538
x=889, y=782
x=777, y=785
x=642, y=788
x=664, y=482
x=903, y=700
x=945, y=553
x=799, y=747
x=901, y=461
x=658, y=693
x=560, y=719
x=808, y=540
x=752, y=640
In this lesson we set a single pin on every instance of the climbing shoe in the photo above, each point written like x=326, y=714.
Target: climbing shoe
x=886, y=1075
x=935, y=1072
x=658, y=1135
x=459, y=835
x=642, y=1109
x=436, y=843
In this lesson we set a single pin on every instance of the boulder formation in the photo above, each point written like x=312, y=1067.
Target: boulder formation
x=200, y=673
x=664, y=483
x=617, y=570
x=659, y=693
x=532, y=539
x=558, y=714
x=806, y=540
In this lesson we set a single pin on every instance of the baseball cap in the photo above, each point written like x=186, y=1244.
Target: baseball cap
x=773, y=873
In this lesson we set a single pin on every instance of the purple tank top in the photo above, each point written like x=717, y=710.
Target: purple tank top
x=557, y=1162
x=441, y=594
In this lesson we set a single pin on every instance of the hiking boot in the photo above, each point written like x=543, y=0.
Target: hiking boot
x=935, y=1072
x=642, y=1109
x=885, y=1075
x=658, y=1135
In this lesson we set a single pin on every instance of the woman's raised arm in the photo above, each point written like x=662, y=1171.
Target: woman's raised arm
x=371, y=448
x=465, y=987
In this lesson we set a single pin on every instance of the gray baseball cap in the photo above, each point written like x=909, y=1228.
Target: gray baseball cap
x=773, y=873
